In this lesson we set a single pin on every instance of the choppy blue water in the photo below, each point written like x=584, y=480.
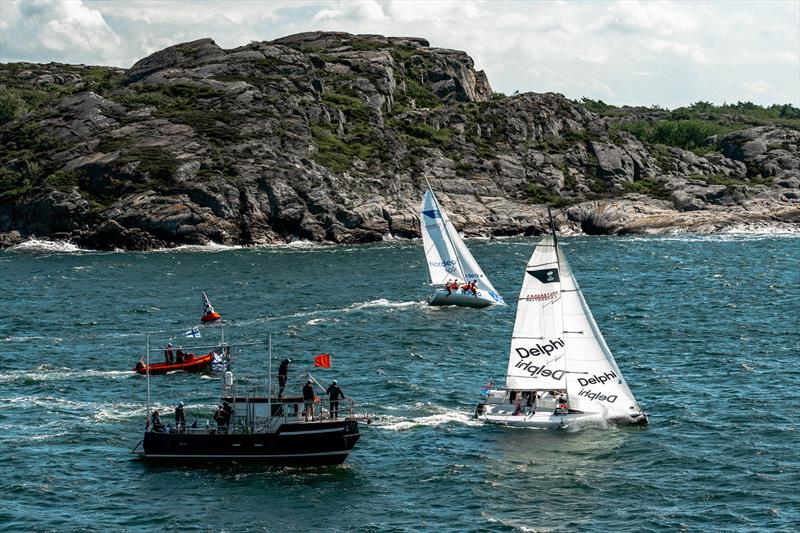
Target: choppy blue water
x=705, y=329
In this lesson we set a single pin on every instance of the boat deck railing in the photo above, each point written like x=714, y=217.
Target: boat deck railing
x=254, y=414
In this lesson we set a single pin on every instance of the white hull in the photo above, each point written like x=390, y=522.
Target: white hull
x=542, y=420
x=440, y=297
x=542, y=414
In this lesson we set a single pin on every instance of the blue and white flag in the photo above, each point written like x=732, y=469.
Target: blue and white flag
x=194, y=332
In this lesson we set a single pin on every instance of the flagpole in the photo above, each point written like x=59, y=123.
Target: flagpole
x=269, y=386
x=147, y=346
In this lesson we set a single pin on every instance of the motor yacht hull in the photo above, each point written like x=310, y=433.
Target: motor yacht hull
x=298, y=443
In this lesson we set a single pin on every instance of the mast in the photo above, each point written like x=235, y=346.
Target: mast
x=147, y=371
x=561, y=296
x=269, y=386
x=447, y=231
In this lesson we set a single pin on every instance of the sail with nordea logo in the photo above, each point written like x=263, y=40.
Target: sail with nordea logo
x=451, y=265
x=559, y=363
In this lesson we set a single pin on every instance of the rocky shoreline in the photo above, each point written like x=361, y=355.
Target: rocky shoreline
x=331, y=137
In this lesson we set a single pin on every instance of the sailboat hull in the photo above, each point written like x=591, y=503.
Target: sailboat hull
x=502, y=415
x=544, y=420
x=441, y=297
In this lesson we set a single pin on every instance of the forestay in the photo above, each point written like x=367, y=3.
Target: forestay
x=556, y=344
x=448, y=257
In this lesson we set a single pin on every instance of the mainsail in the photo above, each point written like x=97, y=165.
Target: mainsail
x=556, y=344
x=447, y=255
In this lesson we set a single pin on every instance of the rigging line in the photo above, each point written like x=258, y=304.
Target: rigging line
x=560, y=287
x=398, y=450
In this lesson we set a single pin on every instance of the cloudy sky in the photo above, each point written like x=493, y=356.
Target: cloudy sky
x=632, y=52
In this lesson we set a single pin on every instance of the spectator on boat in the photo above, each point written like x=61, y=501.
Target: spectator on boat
x=283, y=376
x=168, y=354
x=220, y=418
x=180, y=355
x=228, y=411
x=140, y=364
x=158, y=427
x=334, y=394
x=308, y=400
x=180, y=417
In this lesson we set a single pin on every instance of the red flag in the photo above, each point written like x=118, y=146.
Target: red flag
x=322, y=360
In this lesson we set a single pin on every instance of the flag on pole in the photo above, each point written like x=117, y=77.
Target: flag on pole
x=322, y=360
x=194, y=333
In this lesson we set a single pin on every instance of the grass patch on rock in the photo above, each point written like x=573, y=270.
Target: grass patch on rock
x=648, y=187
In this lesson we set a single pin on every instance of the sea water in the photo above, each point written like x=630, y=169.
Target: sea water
x=704, y=328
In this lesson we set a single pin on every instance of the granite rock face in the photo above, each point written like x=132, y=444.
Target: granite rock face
x=333, y=137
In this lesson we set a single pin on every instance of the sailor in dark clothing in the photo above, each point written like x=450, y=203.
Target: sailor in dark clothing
x=180, y=417
x=220, y=419
x=308, y=399
x=180, y=355
x=228, y=411
x=158, y=427
x=168, y=354
x=283, y=373
x=334, y=393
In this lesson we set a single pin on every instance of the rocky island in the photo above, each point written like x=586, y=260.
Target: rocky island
x=330, y=137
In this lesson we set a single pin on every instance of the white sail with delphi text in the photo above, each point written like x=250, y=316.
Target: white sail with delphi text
x=561, y=372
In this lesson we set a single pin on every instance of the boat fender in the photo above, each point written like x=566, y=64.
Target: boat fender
x=228, y=378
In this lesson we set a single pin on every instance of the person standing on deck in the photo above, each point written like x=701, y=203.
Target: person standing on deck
x=283, y=373
x=168, y=354
x=308, y=399
x=334, y=394
x=158, y=427
x=220, y=419
x=180, y=417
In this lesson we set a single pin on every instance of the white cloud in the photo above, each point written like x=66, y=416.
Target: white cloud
x=625, y=52
x=756, y=87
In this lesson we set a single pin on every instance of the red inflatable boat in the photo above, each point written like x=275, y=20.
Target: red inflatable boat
x=192, y=363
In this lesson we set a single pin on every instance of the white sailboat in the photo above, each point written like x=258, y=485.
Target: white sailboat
x=449, y=261
x=561, y=373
